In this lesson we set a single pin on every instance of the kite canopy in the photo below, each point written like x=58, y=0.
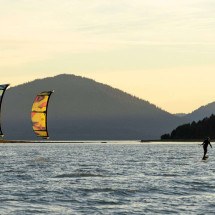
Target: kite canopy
x=39, y=114
x=3, y=88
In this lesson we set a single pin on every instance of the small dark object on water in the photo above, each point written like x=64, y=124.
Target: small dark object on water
x=205, y=147
x=206, y=157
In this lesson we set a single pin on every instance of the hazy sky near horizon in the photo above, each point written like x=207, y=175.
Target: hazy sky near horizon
x=162, y=51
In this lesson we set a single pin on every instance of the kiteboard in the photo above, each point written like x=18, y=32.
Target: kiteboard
x=206, y=158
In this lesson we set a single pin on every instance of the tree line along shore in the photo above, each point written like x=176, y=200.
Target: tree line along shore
x=193, y=131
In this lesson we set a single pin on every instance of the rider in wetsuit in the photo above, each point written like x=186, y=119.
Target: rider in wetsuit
x=205, y=146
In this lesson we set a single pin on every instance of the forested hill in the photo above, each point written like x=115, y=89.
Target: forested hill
x=82, y=109
x=195, y=130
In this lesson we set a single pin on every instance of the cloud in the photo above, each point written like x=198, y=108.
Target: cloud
x=110, y=19
x=105, y=36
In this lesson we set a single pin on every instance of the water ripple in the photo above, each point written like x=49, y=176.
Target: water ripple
x=105, y=179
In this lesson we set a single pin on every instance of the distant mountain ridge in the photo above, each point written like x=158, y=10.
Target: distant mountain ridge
x=202, y=112
x=82, y=109
x=199, y=124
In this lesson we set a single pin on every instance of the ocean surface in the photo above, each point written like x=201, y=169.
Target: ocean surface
x=106, y=178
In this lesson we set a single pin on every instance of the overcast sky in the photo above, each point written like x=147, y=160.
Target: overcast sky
x=162, y=51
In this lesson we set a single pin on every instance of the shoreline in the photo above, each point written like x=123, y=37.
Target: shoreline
x=101, y=141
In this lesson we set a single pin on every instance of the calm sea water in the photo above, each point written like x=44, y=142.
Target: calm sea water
x=106, y=178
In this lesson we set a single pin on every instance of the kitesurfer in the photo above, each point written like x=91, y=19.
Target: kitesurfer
x=205, y=146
